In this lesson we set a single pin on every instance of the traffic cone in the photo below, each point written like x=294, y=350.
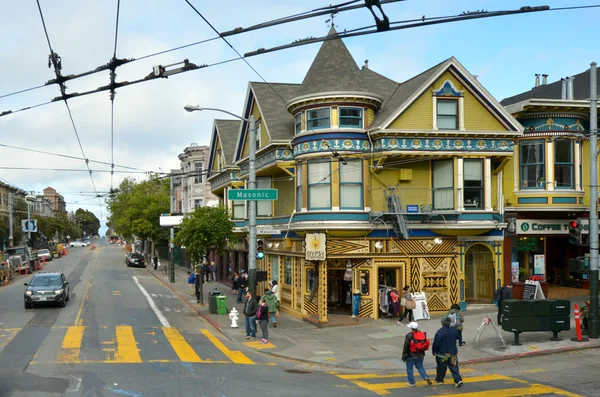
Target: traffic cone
x=6, y=281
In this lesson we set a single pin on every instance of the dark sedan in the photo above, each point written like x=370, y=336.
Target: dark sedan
x=135, y=259
x=46, y=287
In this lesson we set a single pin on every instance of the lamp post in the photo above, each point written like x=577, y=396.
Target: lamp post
x=251, y=185
x=29, y=199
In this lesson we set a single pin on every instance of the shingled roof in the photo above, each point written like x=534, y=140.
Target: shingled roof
x=273, y=99
x=228, y=132
x=333, y=69
x=581, y=90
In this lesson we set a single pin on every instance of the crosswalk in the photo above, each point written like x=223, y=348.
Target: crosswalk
x=475, y=385
x=124, y=344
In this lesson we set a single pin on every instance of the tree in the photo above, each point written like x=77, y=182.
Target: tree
x=88, y=222
x=204, y=229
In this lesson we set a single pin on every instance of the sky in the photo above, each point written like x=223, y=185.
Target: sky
x=150, y=126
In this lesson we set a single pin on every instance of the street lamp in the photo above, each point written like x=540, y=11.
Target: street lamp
x=29, y=199
x=251, y=185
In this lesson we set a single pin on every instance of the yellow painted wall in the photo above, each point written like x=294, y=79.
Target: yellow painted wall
x=264, y=135
x=285, y=205
x=411, y=192
x=509, y=182
x=420, y=114
x=369, y=117
x=494, y=181
x=217, y=158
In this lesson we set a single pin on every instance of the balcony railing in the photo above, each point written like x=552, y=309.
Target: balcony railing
x=415, y=200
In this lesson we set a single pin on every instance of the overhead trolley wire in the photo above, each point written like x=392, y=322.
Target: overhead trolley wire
x=113, y=75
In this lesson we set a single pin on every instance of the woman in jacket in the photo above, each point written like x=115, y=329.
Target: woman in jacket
x=406, y=296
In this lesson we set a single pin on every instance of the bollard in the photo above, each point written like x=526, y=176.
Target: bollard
x=579, y=338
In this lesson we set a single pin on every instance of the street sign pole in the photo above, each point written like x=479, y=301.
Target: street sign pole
x=594, y=331
x=252, y=210
x=171, y=236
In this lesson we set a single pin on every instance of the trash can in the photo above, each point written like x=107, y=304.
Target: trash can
x=212, y=301
x=221, y=304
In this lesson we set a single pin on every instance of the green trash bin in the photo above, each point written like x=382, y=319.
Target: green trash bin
x=221, y=304
x=212, y=301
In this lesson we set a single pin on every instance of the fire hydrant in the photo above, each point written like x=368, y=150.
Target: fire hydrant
x=233, y=316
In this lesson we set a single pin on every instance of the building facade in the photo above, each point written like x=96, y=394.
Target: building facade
x=546, y=180
x=195, y=191
x=57, y=200
x=403, y=179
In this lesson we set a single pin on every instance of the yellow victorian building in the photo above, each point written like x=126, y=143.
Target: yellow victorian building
x=403, y=179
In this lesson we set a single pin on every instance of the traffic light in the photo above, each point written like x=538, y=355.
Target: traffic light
x=260, y=249
x=575, y=232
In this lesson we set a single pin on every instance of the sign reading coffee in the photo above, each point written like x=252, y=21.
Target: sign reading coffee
x=548, y=226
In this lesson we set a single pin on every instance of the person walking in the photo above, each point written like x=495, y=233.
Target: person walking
x=413, y=353
x=501, y=294
x=198, y=281
x=213, y=271
x=446, y=353
x=191, y=282
x=155, y=262
x=456, y=321
x=272, y=305
x=406, y=302
x=262, y=316
x=250, y=308
x=241, y=285
x=234, y=283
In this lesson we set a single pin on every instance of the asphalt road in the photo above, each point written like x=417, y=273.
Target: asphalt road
x=125, y=334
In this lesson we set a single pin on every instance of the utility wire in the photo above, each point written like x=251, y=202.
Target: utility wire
x=113, y=76
x=66, y=169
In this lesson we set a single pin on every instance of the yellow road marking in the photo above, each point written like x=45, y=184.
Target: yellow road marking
x=531, y=371
x=377, y=376
x=117, y=293
x=258, y=345
x=519, y=391
x=71, y=345
x=116, y=362
x=236, y=356
x=127, y=351
x=78, y=320
x=8, y=334
x=182, y=348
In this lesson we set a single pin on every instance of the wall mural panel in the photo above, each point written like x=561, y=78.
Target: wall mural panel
x=347, y=247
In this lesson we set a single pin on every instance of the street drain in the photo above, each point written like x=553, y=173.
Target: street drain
x=297, y=371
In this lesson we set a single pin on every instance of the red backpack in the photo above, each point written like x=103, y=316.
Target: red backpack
x=419, y=342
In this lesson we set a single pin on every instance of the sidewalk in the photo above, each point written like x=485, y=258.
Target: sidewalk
x=374, y=345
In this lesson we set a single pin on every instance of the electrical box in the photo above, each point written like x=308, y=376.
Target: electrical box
x=405, y=174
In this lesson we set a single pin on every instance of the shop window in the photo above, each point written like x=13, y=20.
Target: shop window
x=351, y=117
x=298, y=123
x=287, y=271
x=319, y=186
x=351, y=185
x=473, y=184
x=310, y=280
x=447, y=114
x=299, y=194
x=563, y=163
x=532, y=159
x=275, y=268
x=443, y=184
x=318, y=118
x=264, y=207
x=365, y=286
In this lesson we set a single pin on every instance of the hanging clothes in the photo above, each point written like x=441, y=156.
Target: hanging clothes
x=348, y=274
x=383, y=298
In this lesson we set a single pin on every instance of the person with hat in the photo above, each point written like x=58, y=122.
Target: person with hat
x=446, y=353
x=413, y=353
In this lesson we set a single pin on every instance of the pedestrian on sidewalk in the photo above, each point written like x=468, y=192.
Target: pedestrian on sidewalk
x=262, y=317
x=191, y=282
x=406, y=299
x=250, y=309
x=206, y=271
x=198, y=281
x=275, y=289
x=272, y=305
x=456, y=321
x=500, y=295
x=213, y=271
x=446, y=353
x=241, y=284
x=155, y=262
x=413, y=353
x=234, y=283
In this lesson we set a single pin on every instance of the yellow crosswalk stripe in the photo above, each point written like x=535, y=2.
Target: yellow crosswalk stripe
x=127, y=351
x=71, y=345
x=518, y=391
x=384, y=376
x=236, y=356
x=182, y=348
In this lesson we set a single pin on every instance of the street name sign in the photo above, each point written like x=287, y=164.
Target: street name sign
x=252, y=194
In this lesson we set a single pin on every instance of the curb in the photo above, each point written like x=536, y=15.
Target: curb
x=527, y=354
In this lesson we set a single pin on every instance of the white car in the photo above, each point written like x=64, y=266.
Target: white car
x=44, y=253
x=79, y=244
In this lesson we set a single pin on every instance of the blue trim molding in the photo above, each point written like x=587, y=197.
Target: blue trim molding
x=327, y=145
x=532, y=200
x=447, y=90
x=441, y=145
x=564, y=200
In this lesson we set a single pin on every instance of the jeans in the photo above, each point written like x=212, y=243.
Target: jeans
x=264, y=328
x=214, y=276
x=460, y=340
x=445, y=363
x=251, y=326
x=273, y=318
x=417, y=362
x=240, y=293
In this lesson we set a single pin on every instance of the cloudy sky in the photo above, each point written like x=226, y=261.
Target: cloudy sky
x=150, y=126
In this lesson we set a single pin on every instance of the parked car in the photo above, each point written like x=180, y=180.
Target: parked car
x=44, y=253
x=135, y=259
x=79, y=244
x=47, y=287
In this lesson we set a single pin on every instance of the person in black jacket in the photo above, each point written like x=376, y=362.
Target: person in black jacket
x=413, y=359
x=241, y=284
x=501, y=294
x=198, y=281
x=446, y=353
x=250, y=309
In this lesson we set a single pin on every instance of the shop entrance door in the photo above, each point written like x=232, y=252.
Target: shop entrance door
x=339, y=291
x=388, y=278
x=479, y=273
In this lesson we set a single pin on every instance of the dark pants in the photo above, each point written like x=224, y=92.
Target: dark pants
x=240, y=293
x=445, y=363
x=251, y=326
x=264, y=328
x=500, y=313
x=407, y=313
x=460, y=340
x=199, y=295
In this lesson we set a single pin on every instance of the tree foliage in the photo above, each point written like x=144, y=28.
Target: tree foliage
x=88, y=222
x=204, y=229
x=136, y=208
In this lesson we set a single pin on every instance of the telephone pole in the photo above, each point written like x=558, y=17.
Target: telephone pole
x=594, y=331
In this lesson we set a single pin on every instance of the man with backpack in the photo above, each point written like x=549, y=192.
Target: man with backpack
x=500, y=295
x=446, y=353
x=413, y=353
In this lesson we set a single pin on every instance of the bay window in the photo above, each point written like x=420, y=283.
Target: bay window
x=351, y=117
x=443, y=185
x=563, y=163
x=473, y=184
x=532, y=164
x=298, y=123
x=299, y=195
x=319, y=185
x=351, y=185
x=317, y=119
x=239, y=209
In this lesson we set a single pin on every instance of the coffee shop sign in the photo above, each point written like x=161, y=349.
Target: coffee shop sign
x=547, y=226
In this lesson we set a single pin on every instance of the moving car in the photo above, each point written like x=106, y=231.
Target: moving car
x=135, y=259
x=47, y=287
x=44, y=253
x=79, y=243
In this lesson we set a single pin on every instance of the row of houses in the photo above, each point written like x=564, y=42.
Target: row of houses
x=430, y=182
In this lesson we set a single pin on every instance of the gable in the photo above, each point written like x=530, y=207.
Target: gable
x=217, y=157
x=264, y=133
x=477, y=116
